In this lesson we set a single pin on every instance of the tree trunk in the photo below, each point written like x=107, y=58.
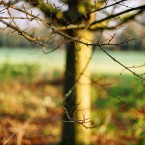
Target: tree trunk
x=77, y=81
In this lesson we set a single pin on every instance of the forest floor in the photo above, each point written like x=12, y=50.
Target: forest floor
x=25, y=118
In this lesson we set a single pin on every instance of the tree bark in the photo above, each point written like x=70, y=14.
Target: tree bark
x=77, y=81
x=77, y=101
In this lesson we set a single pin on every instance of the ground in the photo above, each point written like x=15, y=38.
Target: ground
x=31, y=107
x=26, y=118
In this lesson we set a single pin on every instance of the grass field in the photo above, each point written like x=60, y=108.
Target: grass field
x=31, y=92
x=100, y=63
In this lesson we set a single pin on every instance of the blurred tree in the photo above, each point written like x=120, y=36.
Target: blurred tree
x=137, y=43
x=76, y=25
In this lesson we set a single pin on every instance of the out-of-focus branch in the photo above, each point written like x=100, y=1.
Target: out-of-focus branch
x=139, y=22
x=47, y=8
x=25, y=34
x=140, y=8
x=100, y=45
x=119, y=22
x=97, y=25
x=76, y=120
x=82, y=16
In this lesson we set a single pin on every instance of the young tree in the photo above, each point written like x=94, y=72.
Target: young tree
x=77, y=26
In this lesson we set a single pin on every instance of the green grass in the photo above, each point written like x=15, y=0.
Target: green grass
x=100, y=62
x=118, y=109
x=122, y=89
x=25, y=72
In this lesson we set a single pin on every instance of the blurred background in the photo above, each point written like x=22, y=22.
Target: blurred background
x=31, y=90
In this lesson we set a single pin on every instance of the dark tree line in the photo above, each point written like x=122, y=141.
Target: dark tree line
x=14, y=41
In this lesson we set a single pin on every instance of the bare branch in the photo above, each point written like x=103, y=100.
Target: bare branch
x=140, y=8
